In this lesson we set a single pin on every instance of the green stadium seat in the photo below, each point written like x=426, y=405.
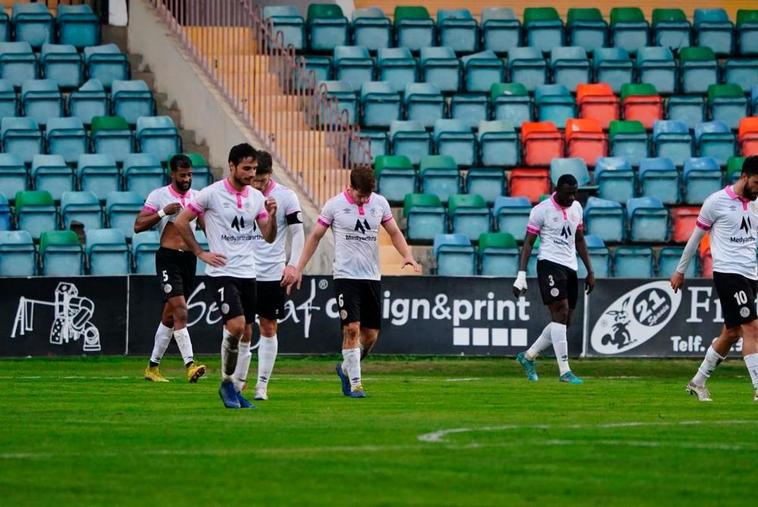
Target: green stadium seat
x=60, y=254
x=498, y=254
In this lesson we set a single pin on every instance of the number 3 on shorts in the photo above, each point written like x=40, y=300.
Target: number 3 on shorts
x=550, y=280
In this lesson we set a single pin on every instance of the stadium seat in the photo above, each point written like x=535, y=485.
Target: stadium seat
x=454, y=255
x=32, y=23
x=50, y=172
x=647, y=219
x=287, y=20
x=457, y=29
x=600, y=257
x=82, y=207
x=375, y=141
x=425, y=217
x=586, y=140
x=468, y=215
x=754, y=99
x=714, y=139
x=569, y=66
x=489, y=182
x=688, y=109
x=17, y=63
x=498, y=143
x=713, y=29
x=747, y=31
x=454, y=138
x=5, y=213
x=62, y=64
x=529, y=183
x=628, y=140
x=353, y=65
x=21, y=137
x=202, y=240
x=439, y=176
x=98, y=173
x=734, y=169
x=411, y=139
x=498, y=254
x=60, y=254
x=327, y=26
x=380, y=104
x=395, y=177
x=131, y=99
x=527, y=67
x=316, y=68
x=585, y=27
x=143, y=174
x=8, y=102
x=683, y=222
x=440, y=66
x=543, y=28
x=35, y=212
x=469, y=108
x=88, y=101
x=77, y=25
x=604, y=219
x=424, y=103
x=144, y=246
x=633, y=262
x=414, y=27
x=573, y=166
x=512, y=215
x=511, y=102
x=541, y=143
x=727, y=104
x=668, y=260
x=743, y=71
x=481, y=70
x=702, y=177
x=158, y=136
x=659, y=179
x=629, y=28
x=656, y=66
x=372, y=29
x=397, y=67
x=13, y=175
x=41, y=99
x=747, y=136
x=66, y=137
x=613, y=66
x=597, y=101
x=706, y=261
x=5, y=27
x=554, y=104
x=501, y=30
x=698, y=69
x=670, y=28
x=342, y=97
x=672, y=140
x=106, y=63
x=642, y=103
x=615, y=178
x=17, y=255
x=107, y=252
x=201, y=170
x=121, y=208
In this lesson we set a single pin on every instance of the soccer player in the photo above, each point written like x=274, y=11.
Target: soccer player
x=355, y=216
x=175, y=266
x=271, y=265
x=731, y=217
x=558, y=223
x=233, y=212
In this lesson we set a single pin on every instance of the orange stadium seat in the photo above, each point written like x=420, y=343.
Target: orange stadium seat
x=748, y=136
x=683, y=221
x=530, y=183
x=542, y=142
x=597, y=101
x=585, y=139
x=706, y=261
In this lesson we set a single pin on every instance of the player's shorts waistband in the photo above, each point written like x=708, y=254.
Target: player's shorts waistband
x=170, y=252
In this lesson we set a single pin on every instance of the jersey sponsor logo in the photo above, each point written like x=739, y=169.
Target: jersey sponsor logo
x=566, y=231
x=746, y=225
x=362, y=227
x=238, y=223
x=635, y=318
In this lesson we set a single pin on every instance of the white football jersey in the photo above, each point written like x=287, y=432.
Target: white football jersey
x=356, y=233
x=271, y=257
x=556, y=227
x=732, y=222
x=230, y=225
x=162, y=197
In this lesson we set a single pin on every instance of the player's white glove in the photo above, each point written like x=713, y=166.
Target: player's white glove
x=519, y=286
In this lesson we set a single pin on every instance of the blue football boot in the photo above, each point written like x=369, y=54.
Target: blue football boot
x=344, y=379
x=228, y=395
x=528, y=365
x=570, y=378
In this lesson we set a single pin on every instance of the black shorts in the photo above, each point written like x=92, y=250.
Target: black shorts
x=359, y=301
x=557, y=282
x=235, y=297
x=737, y=296
x=176, y=272
x=271, y=296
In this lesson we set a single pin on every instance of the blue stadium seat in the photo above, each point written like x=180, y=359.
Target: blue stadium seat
x=32, y=23
x=501, y=30
x=702, y=177
x=743, y=71
x=470, y=108
x=586, y=28
x=511, y=102
x=656, y=65
x=107, y=252
x=489, y=182
x=454, y=138
x=554, y=103
x=615, y=178
x=468, y=215
x=111, y=135
x=287, y=20
x=82, y=207
x=628, y=140
x=395, y=177
x=648, y=220
x=158, y=136
x=372, y=29
x=414, y=27
x=454, y=255
x=50, y=172
x=629, y=28
x=88, y=101
x=63, y=64
x=98, y=173
x=604, y=219
x=569, y=66
x=670, y=29
x=202, y=240
x=5, y=213
x=77, y=25
x=17, y=62
x=143, y=173
x=531, y=265
x=727, y=104
x=576, y=167
x=321, y=66
x=715, y=139
x=397, y=67
x=668, y=260
x=672, y=140
x=713, y=29
x=8, y=102
x=327, y=26
x=543, y=28
x=498, y=143
x=698, y=69
x=659, y=179
x=13, y=175
x=144, y=246
x=380, y=104
x=457, y=29
x=600, y=257
x=440, y=66
x=5, y=27
x=526, y=66
x=688, y=109
x=613, y=66
x=633, y=262
x=66, y=137
x=41, y=99
x=131, y=99
x=754, y=99
x=375, y=140
x=345, y=99
x=498, y=254
x=17, y=255
x=439, y=176
x=425, y=217
x=411, y=139
x=35, y=212
x=21, y=137
x=121, y=208
x=353, y=65
x=424, y=103
x=512, y=215
x=106, y=63
x=481, y=70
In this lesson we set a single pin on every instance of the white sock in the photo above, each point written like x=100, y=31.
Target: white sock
x=228, y=355
x=542, y=342
x=751, y=361
x=267, y=349
x=182, y=338
x=560, y=346
x=243, y=365
x=351, y=364
x=711, y=360
x=162, y=339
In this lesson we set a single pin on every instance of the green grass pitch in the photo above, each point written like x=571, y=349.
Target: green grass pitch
x=90, y=431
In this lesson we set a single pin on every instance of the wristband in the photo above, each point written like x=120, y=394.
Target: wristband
x=161, y=213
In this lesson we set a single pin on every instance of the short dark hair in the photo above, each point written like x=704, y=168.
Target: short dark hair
x=750, y=165
x=362, y=179
x=265, y=164
x=240, y=152
x=179, y=160
x=567, y=179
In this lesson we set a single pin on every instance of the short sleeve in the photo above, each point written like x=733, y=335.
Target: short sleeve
x=707, y=215
x=536, y=220
x=326, y=216
x=292, y=204
x=200, y=202
x=153, y=202
x=580, y=225
x=386, y=210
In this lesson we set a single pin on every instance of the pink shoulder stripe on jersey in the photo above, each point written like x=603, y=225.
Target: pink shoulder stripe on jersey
x=262, y=214
x=323, y=221
x=387, y=219
x=702, y=225
x=580, y=227
x=197, y=210
x=532, y=229
x=150, y=208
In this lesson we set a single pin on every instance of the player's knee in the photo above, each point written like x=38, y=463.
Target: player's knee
x=750, y=330
x=268, y=327
x=181, y=315
x=236, y=326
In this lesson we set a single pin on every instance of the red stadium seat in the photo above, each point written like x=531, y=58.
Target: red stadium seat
x=542, y=142
x=706, y=261
x=683, y=219
x=597, y=101
x=641, y=102
x=748, y=136
x=585, y=139
x=530, y=183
